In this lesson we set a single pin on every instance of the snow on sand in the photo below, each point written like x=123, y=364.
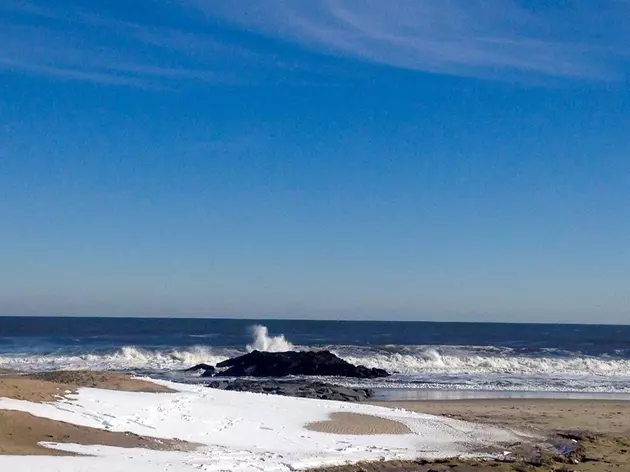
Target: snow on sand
x=240, y=432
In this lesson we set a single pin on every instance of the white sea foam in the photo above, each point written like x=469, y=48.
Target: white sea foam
x=125, y=358
x=431, y=360
x=402, y=359
x=263, y=342
x=136, y=358
x=442, y=367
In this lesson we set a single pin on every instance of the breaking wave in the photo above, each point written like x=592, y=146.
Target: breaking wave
x=263, y=342
x=407, y=360
x=125, y=358
x=481, y=360
x=137, y=358
x=428, y=367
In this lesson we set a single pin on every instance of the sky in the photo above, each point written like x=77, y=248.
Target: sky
x=455, y=160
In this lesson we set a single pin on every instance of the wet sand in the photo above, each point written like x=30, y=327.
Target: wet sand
x=358, y=424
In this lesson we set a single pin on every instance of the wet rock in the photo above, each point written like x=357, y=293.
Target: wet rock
x=206, y=370
x=281, y=364
x=294, y=388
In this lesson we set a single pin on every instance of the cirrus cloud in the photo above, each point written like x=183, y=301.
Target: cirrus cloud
x=232, y=41
x=462, y=37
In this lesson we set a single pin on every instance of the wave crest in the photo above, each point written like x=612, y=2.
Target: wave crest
x=125, y=358
x=263, y=342
x=413, y=362
x=432, y=360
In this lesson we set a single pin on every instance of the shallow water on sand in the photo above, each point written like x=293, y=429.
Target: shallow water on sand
x=402, y=394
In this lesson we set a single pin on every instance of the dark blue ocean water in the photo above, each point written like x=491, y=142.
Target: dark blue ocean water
x=48, y=334
x=425, y=355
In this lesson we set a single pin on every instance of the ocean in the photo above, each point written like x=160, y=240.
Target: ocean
x=428, y=359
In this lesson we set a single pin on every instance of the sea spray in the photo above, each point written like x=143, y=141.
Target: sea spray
x=261, y=341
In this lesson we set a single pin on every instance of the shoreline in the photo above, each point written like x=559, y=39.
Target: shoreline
x=541, y=415
x=417, y=394
x=85, y=413
x=600, y=430
x=601, y=426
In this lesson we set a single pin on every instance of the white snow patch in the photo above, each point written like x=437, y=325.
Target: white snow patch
x=241, y=432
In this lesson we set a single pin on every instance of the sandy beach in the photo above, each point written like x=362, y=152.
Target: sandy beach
x=164, y=424
x=21, y=433
x=599, y=430
x=539, y=416
x=48, y=386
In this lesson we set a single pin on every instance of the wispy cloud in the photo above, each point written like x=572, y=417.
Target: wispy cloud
x=463, y=37
x=78, y=44
x=79, y=40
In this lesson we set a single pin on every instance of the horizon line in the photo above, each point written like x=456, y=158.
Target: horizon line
x=214, y=318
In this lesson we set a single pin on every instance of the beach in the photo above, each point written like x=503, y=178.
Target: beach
x=536, y=415
x=21, y=433
x=600, y=427
x=112, y=421
x=62, y=414
x=118, y=395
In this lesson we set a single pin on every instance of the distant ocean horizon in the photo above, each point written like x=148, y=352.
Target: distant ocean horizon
x=262, y=319
x=422, y=355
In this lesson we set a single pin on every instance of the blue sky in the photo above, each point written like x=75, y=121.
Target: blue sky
x=447, y=160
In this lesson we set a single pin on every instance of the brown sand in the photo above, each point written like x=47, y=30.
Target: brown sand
x=20, y=433
x=49, y=386
x=606, y=450
x=358, y=424
x=546, y=416
x=104, y=380
x=601, y=428
x=32, y=390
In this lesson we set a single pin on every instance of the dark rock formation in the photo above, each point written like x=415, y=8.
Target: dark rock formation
x=281, y=364
x=207, y=369
x=294, y=388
